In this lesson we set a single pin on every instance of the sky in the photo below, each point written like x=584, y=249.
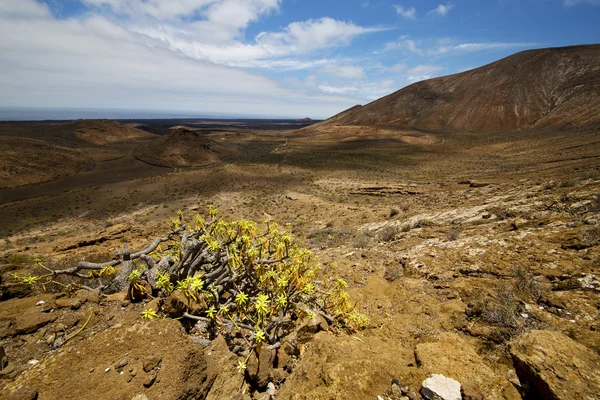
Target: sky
x=262, y=58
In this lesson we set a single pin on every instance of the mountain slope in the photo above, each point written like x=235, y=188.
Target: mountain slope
x=557, y=87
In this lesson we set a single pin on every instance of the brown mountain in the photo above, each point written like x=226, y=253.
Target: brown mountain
x=182, y=147
x=555, y=87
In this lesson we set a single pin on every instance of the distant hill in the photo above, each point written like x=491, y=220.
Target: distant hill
x=25, y=161
x=182, y=147
x=555, y=87
x=77, y=133
x=106, y=131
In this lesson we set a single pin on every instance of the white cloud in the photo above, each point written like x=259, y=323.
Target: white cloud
x=448, y=46
x=337, y=89
x=402, y=44
x=441, y=9
x=406, y=13
x=423, y=72
x=19, y=9
x=95, y=61
x=344, y=71
x=570, y=3
x=296, y=39
x=474, y=47
x=424, y=69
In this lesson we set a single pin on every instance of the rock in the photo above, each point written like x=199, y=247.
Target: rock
x=479, y=184
x=151, y=362
x=271, y=391
x=309, y=327
x=3, y=358
x=15, y=290
x=150, y=378
x=554, y=366
x=9, y=372
x=120, y=364
x=153, y=305
x=88, y=296
x=260, y=371
x=30, y=323
x=140, y=397
x=438, y=387
x=23, y=394
x=120, y=296
x=201, y=341
x=176, y=304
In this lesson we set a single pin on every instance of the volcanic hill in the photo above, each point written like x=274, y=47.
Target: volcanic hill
x=182, y=147
x=545, y=88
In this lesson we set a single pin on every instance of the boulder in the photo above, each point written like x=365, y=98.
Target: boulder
x=553, y=366
x=438, y=387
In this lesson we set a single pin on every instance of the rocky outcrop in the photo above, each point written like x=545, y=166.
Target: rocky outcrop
x=553, y=366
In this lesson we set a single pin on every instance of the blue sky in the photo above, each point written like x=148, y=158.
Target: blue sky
x=269, y=58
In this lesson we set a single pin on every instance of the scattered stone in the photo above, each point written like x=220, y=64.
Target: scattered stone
x=140, y=397
x=201, y=341
x=151, y=362
x=150, y=378
x=438, y=387
x=554, y=366
x=119, y=365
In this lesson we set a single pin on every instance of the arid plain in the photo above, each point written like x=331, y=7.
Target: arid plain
x=454, y=242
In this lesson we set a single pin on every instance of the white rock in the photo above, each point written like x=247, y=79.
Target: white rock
x=33, y=362
x=271, y=391
x=438, y=387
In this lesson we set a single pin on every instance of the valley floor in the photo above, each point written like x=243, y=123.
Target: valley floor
x=454, y=246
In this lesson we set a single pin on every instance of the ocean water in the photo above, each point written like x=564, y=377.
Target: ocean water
x=64, y=114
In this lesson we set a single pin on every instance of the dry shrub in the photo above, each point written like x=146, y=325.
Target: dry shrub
x=526, y=287
x=362, y=241
x=453, y=234
x=388, y=233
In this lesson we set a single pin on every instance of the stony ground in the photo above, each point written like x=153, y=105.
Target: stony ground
x=463, y=252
